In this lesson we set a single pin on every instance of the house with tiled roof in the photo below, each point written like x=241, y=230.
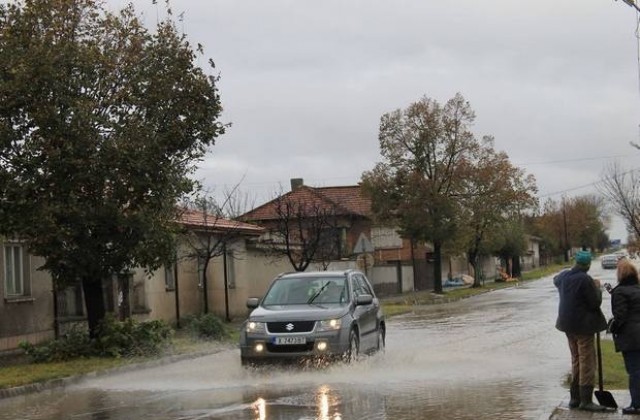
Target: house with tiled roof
x=391, y=262
x=346, y=204
x=28, y=305
x=197, y=221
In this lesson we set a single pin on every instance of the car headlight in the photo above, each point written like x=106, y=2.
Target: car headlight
x=330, y=325
x=255, y=327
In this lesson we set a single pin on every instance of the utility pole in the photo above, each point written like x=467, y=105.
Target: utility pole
x=566, y=234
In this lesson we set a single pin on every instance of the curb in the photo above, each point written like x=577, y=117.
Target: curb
x=562, y=411
x=17, y=391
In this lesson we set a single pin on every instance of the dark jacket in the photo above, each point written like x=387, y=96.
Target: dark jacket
x=580, y=299
x=625, y=307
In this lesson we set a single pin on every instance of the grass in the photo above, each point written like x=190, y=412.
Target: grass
x=614, y=374
x=613, y=371
x=18, y=370
x=23, y=373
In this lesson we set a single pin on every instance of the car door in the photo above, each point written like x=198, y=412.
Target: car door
x=366, y=314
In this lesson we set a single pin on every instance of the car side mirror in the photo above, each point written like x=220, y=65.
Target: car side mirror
x=364, y=300
x=253, y=302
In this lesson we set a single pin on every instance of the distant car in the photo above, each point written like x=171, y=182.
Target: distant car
x=321, y=314
x=621, y=255
x=455, y=282
x=609, y=261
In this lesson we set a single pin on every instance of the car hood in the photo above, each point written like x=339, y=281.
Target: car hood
x=277, y=313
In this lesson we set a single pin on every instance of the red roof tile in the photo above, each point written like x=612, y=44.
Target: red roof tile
x=348, y=200
x=195, y=218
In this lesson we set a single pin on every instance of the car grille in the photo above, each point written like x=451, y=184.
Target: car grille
x=297, y=348
x=290, y=327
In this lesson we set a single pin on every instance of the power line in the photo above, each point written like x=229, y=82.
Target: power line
x=572, y=160
x=592, y=184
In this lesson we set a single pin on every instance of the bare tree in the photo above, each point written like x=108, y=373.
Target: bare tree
x=622, y=189
x=305, y=231
x=210, y=227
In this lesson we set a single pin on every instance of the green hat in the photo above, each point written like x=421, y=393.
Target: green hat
x=583, y=257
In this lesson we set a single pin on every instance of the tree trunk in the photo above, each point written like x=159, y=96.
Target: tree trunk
x=226, y=283
x=516, y=269
x=437, y=267
x=94, y=303
x=205, y=290
x=473, y=260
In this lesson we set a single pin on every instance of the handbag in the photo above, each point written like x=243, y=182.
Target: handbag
x=612, y=326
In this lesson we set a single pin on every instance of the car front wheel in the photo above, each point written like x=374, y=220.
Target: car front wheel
x=351, y=354
x=381, y=339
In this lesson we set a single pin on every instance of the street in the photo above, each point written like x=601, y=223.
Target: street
x=494, y=356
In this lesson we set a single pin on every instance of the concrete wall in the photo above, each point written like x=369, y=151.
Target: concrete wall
x=253, y=271
x=384, y=278
x=531, y=259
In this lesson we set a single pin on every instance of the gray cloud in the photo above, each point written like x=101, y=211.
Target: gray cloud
x=305, y=83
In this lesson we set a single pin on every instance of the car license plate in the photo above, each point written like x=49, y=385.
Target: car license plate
x=289, y=340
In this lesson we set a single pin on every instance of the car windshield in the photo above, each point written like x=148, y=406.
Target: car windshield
x=306, y=290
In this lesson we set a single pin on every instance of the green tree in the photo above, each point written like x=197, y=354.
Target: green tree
x=571, y=222
x=495, y=192
x=101, y=124
x=586, y=218
x=509, y=243
x=418, y=184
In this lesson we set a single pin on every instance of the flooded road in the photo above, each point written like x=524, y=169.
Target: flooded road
x=494, y=356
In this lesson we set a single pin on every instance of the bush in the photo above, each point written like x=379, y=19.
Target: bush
x=130, y=338
x=115, y=339
x=207, y=326
x=73, y=345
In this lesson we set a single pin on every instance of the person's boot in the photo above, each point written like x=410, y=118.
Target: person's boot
x=586, y=402
x=574, y=392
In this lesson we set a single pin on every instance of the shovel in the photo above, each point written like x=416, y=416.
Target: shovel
x=604, y=397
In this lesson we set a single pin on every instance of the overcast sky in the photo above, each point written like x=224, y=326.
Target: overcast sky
x=304, y=83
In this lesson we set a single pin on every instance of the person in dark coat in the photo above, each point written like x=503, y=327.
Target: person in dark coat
x=580, y=318
x=625, y=327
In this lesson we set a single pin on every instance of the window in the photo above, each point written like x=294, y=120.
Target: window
x=169, y=277
x=360, y=286
x=14, y=271
x=70, y=302
x=330, y=243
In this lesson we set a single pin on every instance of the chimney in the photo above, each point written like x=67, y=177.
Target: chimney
x=296, y=183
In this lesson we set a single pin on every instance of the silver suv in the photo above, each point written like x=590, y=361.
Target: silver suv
x=320, y=314
x=609, y=261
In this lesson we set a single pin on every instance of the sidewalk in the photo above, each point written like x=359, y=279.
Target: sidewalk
x=562, y=412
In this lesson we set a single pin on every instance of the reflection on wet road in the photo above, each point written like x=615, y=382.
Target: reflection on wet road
x=495, y=356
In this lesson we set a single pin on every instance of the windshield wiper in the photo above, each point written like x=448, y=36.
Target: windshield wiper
x=316, y=294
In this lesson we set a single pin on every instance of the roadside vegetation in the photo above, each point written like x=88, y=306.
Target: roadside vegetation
x=123, y=343
x=613, y=373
